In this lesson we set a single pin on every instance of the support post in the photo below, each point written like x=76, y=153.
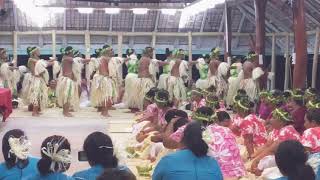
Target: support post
x=153, y=45
x=260, y=18
x=287, y=65
x=87, y=43
x=273, y=62
x=120, y=44
x=15, y=45
x=315, y=59
x=227, y=32
x=54, y=44
x=190, y=55
x=300, y=70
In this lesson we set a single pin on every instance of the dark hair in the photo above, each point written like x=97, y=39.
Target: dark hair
x=99, y=150
x=222, y=116
x=116, y=174
x=172, y=113
x=241, y=92
x=45, y=161
x=152, y=92
x=206, y=112
x=130, y=51
x=162, y=98
x=291, y=160
x=314, y=115
x=30, y=49
x=179, y=123
x=192, y=139
x=168, y=52
x=10, y=160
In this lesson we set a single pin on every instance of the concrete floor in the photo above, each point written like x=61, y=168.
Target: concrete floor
x=75, y=129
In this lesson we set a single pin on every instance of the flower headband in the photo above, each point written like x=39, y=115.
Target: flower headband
x=264, y=94
x=251, y=56
x=203, y=117
x=62, y=158
x=281, y=115
x=160, y=101
x=20, y=147
x=215, y=53
x=211, y=102
x=313, y=104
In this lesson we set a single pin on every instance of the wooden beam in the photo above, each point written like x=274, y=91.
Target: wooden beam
x=300, y=68
x=252, y=19
x=87, y=43
x=260, y=17
x=120, y=36
x=243, y=17
x=64, y=38
x=227, y=32
x=275, y=18
x=156, y=24
x=53, y=36
x=15, y=18
x=190, y=55
x=131, y=39
x=287, y=64
x=222, y=22
x=203, y=22
x=315, y=59
x=314, y=20
x=153, y=44
x=273, y=62
x=15, y=45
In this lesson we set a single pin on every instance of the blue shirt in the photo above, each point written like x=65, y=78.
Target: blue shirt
x=93, y=172
x=51, y=176
x=185, y=165
x=16, y=173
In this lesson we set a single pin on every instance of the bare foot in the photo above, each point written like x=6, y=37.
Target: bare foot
x=67, y=114
x=105, y=114
x=35, y=114
x=112, y=108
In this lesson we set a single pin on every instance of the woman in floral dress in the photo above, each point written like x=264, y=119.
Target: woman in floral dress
x=223, y=147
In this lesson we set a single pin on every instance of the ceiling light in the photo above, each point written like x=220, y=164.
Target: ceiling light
x=140, y=11
x=85, y=10
x=196, y=8
x=112, y=10
x=57, y=10
x=169, y=11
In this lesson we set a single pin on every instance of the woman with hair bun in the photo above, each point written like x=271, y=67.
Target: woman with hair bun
x=191, y=162
x=100, y=152
x=55, y=159
x=291, y=160
x=18, y=163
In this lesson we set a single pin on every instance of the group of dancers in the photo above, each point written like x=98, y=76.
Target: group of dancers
x=104, y=81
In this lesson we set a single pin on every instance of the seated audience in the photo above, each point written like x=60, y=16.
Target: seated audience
x=291, y=160
x=55, y=159
x=283, y=130
x=18, y=163
x=191, y=162
x=100, y=153
x=223, y=147
x=297, y=110
x=116, y=174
